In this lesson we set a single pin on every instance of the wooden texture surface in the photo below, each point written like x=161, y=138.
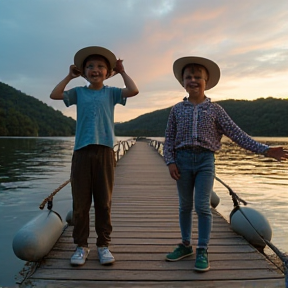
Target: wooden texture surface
x=145, y=228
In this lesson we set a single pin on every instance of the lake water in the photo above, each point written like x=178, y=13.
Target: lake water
x=32, y=168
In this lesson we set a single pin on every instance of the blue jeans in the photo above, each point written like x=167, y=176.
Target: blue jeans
x=196, y=174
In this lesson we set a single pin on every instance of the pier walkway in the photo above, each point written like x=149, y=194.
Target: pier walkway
x=145, y=228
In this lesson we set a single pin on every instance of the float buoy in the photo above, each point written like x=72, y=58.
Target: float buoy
x=214, y=200
x=35, y=239
x=69, y=218
x=252, y=225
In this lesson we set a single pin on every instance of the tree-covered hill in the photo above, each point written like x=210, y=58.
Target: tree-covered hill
x=261, y=117
x=23, y=115
x=151, y=125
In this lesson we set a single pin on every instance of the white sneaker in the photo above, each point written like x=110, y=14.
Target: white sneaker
x=79, y=256
x=105, y=256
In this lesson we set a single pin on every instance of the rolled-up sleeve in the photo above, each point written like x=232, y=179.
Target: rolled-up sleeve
x=70, y=97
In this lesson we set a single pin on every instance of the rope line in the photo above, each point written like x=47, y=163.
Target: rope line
x=50, y=197
x=236, y=199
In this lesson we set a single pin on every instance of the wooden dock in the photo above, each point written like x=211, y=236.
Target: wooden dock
x=145, y=228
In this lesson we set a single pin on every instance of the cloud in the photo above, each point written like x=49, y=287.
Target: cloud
x=248, y=40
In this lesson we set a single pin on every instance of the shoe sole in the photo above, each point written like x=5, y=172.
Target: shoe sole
x=79, y=262
x=177, y=259
x=107, y=262
x=75, y=263
x=202, y=270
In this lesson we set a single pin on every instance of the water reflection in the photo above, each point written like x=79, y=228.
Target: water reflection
x=24, y=159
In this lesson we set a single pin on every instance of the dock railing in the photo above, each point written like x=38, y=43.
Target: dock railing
x=158, y=145
x=122, y=147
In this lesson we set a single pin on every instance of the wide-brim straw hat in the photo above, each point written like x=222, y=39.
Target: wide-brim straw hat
x=212, y=68
x=83, y=53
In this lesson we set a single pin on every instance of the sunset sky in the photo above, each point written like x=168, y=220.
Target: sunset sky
x=248, y=39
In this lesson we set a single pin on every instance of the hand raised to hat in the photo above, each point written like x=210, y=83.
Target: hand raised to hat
x=74, y=72
x=119, y=68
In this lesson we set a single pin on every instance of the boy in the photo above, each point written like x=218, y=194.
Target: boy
x=92, y=170
x=194, y=131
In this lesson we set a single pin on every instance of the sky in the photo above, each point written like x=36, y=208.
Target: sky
x=248, y=39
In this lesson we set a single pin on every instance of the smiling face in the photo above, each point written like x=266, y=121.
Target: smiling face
x=96, y=71
x=194, y=79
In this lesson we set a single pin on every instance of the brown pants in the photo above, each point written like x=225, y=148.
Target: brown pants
x=92, y=174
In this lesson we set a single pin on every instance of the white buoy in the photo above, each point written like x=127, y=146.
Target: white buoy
x=69, y=218
x=214, y=200
x=35, y=239
x=246, y=221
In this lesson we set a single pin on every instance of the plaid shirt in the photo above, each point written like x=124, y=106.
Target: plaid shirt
x=203, y=125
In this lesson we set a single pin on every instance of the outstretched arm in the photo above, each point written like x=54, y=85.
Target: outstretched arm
x=131, y=88
x=57, y=93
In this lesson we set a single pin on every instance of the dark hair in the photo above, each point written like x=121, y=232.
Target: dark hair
x=193, y=66
x=95, y=56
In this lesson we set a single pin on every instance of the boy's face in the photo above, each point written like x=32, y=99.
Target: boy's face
x=96, y=70
x=194, y=79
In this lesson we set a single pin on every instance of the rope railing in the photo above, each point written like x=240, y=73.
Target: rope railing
x=120, y=149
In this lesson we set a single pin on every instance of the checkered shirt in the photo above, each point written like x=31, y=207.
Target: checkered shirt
x=203, y=125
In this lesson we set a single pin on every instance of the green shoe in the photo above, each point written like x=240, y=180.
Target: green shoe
x=180, y=252
x=202, y=262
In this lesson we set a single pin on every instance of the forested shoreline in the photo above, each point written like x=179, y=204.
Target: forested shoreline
x=24, y=115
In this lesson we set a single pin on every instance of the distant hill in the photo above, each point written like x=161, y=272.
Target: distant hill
x=23, y=115
x=261, y=117
x=151, y=125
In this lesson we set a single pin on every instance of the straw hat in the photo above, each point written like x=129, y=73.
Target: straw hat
x=212, y=68
x=83, y=53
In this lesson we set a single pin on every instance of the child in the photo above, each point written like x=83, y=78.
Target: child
x=92, y=170
x=194, y=131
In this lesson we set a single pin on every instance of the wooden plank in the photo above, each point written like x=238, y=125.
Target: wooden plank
x=150, y=248
x=158, y=240
x=64, y=254
x=149, y=265
x=136, y=275
x=271, y=283
x=157, y=233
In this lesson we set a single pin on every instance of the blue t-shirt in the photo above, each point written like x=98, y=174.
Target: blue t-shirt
x=95, y=114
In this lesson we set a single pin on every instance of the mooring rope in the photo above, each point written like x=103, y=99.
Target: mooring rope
x=28, y=270
x=236, y=200
x=50, y=197
x=281, y=255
